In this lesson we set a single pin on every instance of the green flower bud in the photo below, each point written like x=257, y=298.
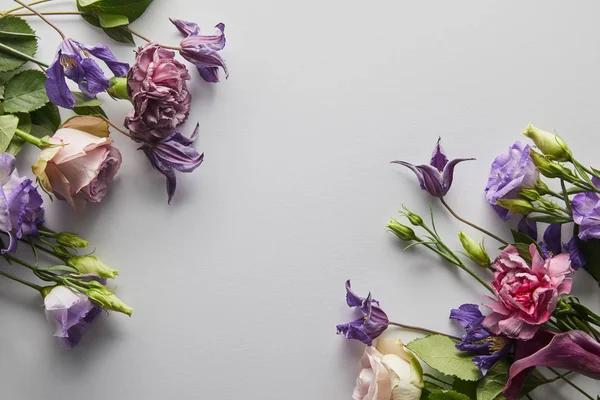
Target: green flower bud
x=62, y=251
x=69, y=239
x=519, y=206
x=551, y=169
x=118, y=88
x=549, y=143
x=530, y=194
x=106, y=299
x=402, y=231
x=414, y=219
x=541, y=187
x=92, y=265
x=475, y=251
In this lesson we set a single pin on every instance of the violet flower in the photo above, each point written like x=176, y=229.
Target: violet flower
x=487, y=347
x=586, y=213
x=528, y=227
x=174, y=153
x=575, y=254
x=370, y=325
x=436, y=177
x=203, y=50
x=73, y=61
x=552, y=245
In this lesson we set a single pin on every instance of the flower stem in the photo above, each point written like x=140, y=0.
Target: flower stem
x=24, y=282
x=64, y=37
x=569, y=382
x=425, y=330
x=148, y=40
x=480, y=229
x=31, y=14
x=116, y=127
x=20, y=7
x=29, y=138
x=27, y=57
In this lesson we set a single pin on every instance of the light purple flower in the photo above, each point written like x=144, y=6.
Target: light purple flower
x=586, y=213
x=174, y=153
x=435, y=178
x=21, y=208
x=203, y=50
x=510, y=172
x=73, y=61
x=71, y=312
x=370, y=325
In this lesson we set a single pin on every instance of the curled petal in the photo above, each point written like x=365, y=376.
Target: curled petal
x=448, y=174
x=214, y=42
x=56, y=85
x=103, y=53
x=185, y=27
x=206, y=60
x=438, y=158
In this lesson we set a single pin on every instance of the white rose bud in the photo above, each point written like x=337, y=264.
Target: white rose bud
x=405, y=370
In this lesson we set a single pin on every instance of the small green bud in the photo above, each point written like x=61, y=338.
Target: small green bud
x=549, y=143
x=106, y=299
x=92, y=265
x=530, y=194
x=69, y=239
x=541, y=188
x=402, y=231
x=118, y=88
x=551, y=169
x=62, y=251
x=475, y=251
x=414, y=219
x=519, y=206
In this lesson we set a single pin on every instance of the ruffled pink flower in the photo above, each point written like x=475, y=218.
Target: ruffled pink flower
x=526, y=296
x=374, y=381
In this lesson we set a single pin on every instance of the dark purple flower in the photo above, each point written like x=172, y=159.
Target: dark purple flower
x=73, y=61
x=174, y=153
x=575, y=255
x=436, y=177
x=510, y=172
x=21, y=208
x=203, y=50
x=487, y=347
x=372, y=323
x=552, y=244
x=586, y=213
x=528, y=227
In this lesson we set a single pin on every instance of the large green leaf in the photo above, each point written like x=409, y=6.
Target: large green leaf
x=8, y=126
x=467, y=388
x=131, y=9
x=25, y=92
x=24, y=44
x=492, y=385
x=439, y=352
x=111, y=21
x=447, y=395
x=119, y=33
x=47, y=117
x=16, y=144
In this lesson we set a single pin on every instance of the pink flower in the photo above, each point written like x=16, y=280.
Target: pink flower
x=82, y=164
x=526, y=296
x=374, y=382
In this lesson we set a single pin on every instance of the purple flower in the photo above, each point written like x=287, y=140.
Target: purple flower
x=71, y=312
x=435, y=178
x=586, y=213
x=73, y=61
x=575, y=255
x=528, y=227
x=174, y=153
x=21, y=208
x=474, y=340
x=510, y=172
x=552, y=245
x=203, y=50
x=372, y=323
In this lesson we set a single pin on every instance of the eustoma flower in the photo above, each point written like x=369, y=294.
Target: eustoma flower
x=526, y=296
x=203, y=50
x=435, y=178
x=372, y=323
x=586, y=213
x=73, y=61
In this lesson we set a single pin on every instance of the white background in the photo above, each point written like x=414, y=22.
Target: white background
x=238, y=285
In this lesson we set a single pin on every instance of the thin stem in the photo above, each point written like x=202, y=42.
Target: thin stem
x=116, y=127
x=148, y=40
x=24, y=282
x=559, y=377
x=27, y=57
x=563, y=377
x=480, y=229
x=436, y=379
x=51, y=13
x=64, y=37
x=20, y=7
x=566, y=196
x=425, y=330
x=29, y=138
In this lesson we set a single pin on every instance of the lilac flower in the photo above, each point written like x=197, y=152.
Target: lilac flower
x=21, y=208
x=528, y=227
x=586, y=213
x=477, y=339
x=510, y=172
x=435, y=178
x=73, y=61
x=174, y=153
x=71, y=312
x=372, y=323
x=202, y=50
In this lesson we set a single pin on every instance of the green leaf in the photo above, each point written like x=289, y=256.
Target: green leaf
x=25, y=92
x=439, y=352
x=131, y=9
x=16, y=35
x=521, y=237
x=47, y=117
x=26, y=45
x=119, y=33
x=94, y=111
x=467, y=388
x=81, y=100
x=8, y=126
x=16, y=144
x=550, y=219
x=492, y=385
x=447, y=395
x=1, y=92
x=111, y=21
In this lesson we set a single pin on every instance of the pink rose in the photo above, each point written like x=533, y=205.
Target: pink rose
x=82, y=164
x=526, y=296
x=374, y=382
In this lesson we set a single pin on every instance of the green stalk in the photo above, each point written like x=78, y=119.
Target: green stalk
x=17, y=53
x=569, y=382
x=424, y=330
x=480, y=229
x=29, y=138
x=24, y=282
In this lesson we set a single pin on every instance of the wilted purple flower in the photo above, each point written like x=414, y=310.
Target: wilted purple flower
x=71, y=312
x=586, y=213
x=174, y=153
x=202, y=50
x=528, y=227
x=21, y=208
x=372, y=323
x=73, y=61
x=575, y=255
x=478, y=340
x=510, y=172
x=435, y=178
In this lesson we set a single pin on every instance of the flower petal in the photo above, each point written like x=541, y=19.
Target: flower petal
x=438, y=158
x=95, y=80
x=56, y=85
x=103, y=53
x=206, y=60
x=448, y=173
x=185, y=27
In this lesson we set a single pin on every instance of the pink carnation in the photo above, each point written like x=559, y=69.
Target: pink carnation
x=526, y=296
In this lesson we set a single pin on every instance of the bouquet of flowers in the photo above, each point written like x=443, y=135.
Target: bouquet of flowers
x=534, y=322
x=77, y=157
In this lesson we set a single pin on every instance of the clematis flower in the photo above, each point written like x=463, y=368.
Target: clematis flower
x=174, y=153
x=203, y=50
x=73, y=60
x=487, y=347
x=436, y=177
x=368, y=327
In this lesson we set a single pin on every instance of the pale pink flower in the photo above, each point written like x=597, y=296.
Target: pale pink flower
x=373, y=382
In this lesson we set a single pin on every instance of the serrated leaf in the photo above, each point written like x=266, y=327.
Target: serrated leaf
x=25, y=92
x=16, y=35
x=120, y=34
x=8, y=126
x=467, y=388
x=47, y=117
x=439, y=352
x=132, y=9
x=28, y=45
x=112, y=21
x=16, y=144
x=492, y=385
x=81, y=100
x=95, y=110
x=447, y=395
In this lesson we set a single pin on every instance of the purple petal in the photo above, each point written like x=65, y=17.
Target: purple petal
x=466, y=315
x=352, y=330
x=56, y=85
x=414, y=169
x=552, y=240
x=206, y=60
x=527, y=227
x=185, y=27
x=575, y=255
x=95, y=80
x=352, y=299
x=103, y=53
x=449, y=172
x=439, y=159
x=214, y=42
x=7, y=166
